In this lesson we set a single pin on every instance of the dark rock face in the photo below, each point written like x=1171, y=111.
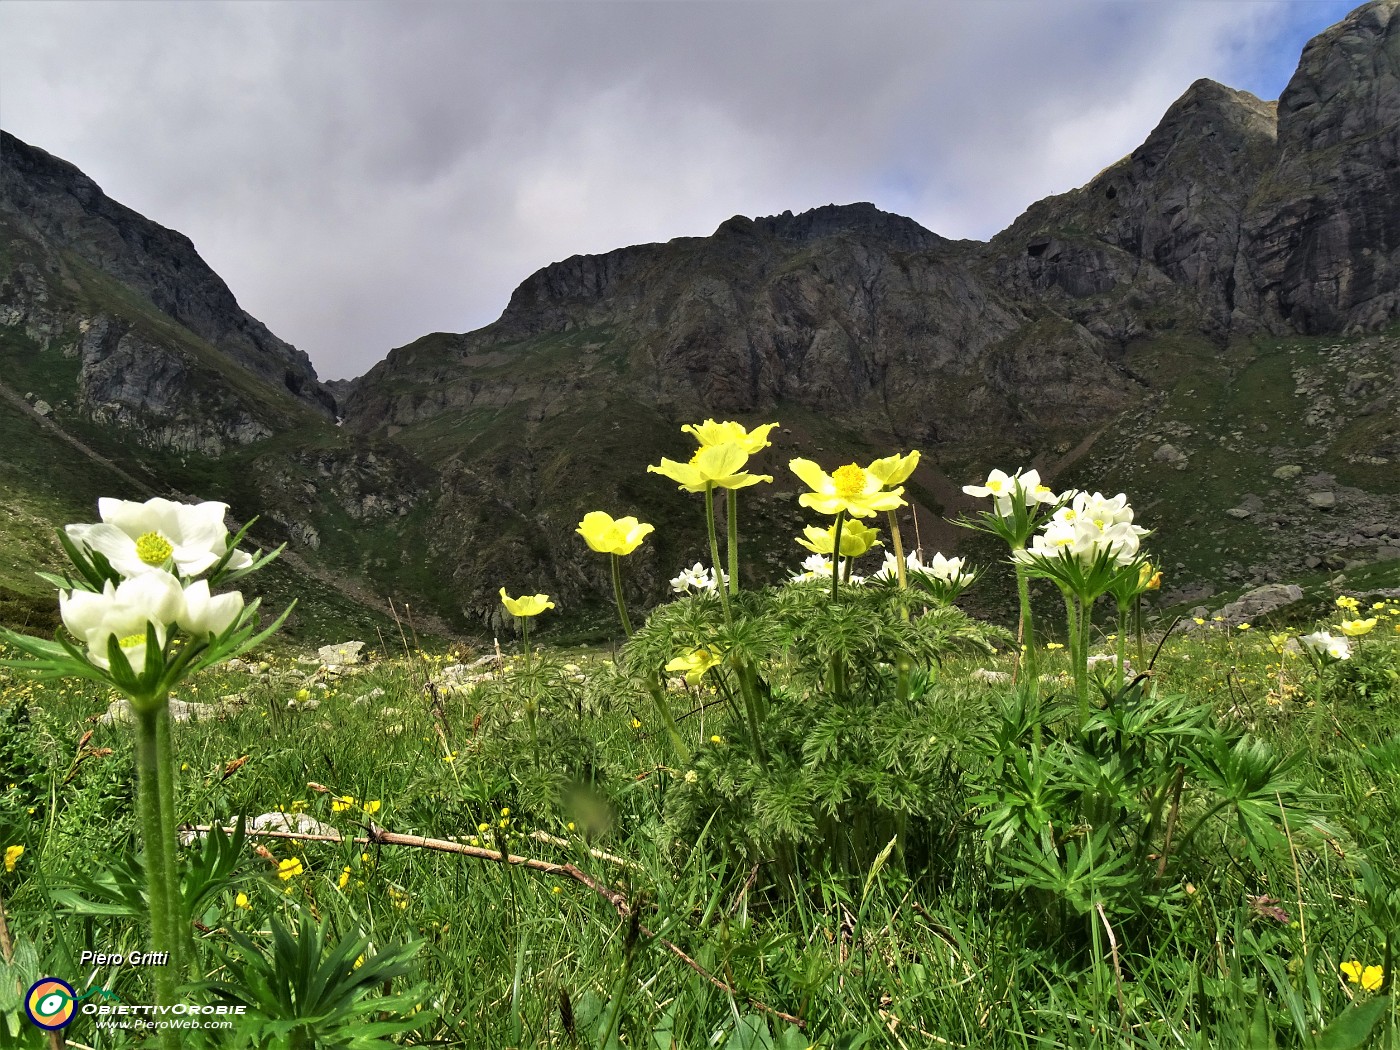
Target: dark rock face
x=51, y=201
x=1325, y=225
x=1165, y=220
x=843, y=310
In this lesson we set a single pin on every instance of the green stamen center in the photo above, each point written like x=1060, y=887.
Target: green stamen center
x=154, y=549
x=131, y=641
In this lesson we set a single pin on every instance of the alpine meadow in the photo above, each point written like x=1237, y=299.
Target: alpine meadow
x=819, y=634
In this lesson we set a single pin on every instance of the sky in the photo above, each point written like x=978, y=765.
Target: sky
x=363, y=173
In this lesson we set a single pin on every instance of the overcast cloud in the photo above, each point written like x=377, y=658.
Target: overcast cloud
x=363, y=173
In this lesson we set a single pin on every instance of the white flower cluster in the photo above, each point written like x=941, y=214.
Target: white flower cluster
x=818, y=567
x=1003, y=488
x=1089, y=526
x=1321, y=643
x=156, y=547
x=949, y=570
x=696, y=578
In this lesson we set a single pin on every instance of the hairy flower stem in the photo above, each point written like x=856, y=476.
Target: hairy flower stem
x=714, y=554
x=158, y=841
x=836, y=554
x=731, y=522
x=838, y=663
x=529, y=700
x=899, y=565
x=1081, y=658
x=1029, y=658
x=182, y=941
x=617, y=595
x=1137, y=623
x=1122, y=646
x=663, y=708
x=746, y=684
x=903, y=666
x=1072, y=619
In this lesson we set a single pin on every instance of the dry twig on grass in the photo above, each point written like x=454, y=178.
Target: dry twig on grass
x=378, y=836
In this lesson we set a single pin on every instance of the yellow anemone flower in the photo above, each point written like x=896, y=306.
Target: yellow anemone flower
x=894, y=469
x=695, y=664
x=12, y=856
x=241, y=901
x=608, y=535
x=851, y=489
x=1356, y=628
x=341, y=803
x=1369, y=977
x=1149, y=579
x=856, y=539
x=712, y=433
x=526, y=604
x=712, y=466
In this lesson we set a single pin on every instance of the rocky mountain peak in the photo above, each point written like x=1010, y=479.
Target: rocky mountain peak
x=830, y=220
x=1347, y=84
x=1324, y=225
x=51, y=202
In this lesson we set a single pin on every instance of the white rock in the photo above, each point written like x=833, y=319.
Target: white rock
x=341, y=654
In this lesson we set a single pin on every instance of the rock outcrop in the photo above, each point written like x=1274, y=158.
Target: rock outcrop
x=1324, y=225
x=50, y=201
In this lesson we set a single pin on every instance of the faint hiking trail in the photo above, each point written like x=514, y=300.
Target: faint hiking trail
x=347, y=589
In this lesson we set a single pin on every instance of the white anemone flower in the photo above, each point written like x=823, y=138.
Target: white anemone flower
x=122, y=611
x=1003, y=489
x=206, y=613
x=1323, y=644
x=159, y=534
x=814, y=567
x=949, y=569
x=696, y=578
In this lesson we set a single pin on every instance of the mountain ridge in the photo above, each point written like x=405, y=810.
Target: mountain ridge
x=1078, y=339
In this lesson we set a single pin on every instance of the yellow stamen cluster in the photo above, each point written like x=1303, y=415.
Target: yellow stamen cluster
x=154, y=549
x=850, y=480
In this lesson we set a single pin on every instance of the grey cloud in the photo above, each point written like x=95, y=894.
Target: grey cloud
x=364, y=173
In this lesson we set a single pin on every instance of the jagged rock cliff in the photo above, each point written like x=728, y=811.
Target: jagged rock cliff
x=86, y=271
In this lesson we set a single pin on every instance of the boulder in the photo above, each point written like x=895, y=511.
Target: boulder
x=1261, y=602
x=340, y=655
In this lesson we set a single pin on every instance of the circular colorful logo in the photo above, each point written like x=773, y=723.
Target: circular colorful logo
x=50, y=1003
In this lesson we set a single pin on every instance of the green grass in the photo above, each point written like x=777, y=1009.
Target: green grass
x=901, y=955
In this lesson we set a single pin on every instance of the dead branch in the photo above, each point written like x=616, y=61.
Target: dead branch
x=378, y=836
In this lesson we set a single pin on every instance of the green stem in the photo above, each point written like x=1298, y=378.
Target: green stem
x=1122, y=646
x=752, y=714
x=1081, y=665
x=663, y=708
x=157, y=844
x=182, y=940
x=898, y=542
x=1137, y=624
x=714, y=554
x=836, y=554
x=731, y=521
x=529, y=700
x=1072, y=636
x=1031, y=659
x=617, y=595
